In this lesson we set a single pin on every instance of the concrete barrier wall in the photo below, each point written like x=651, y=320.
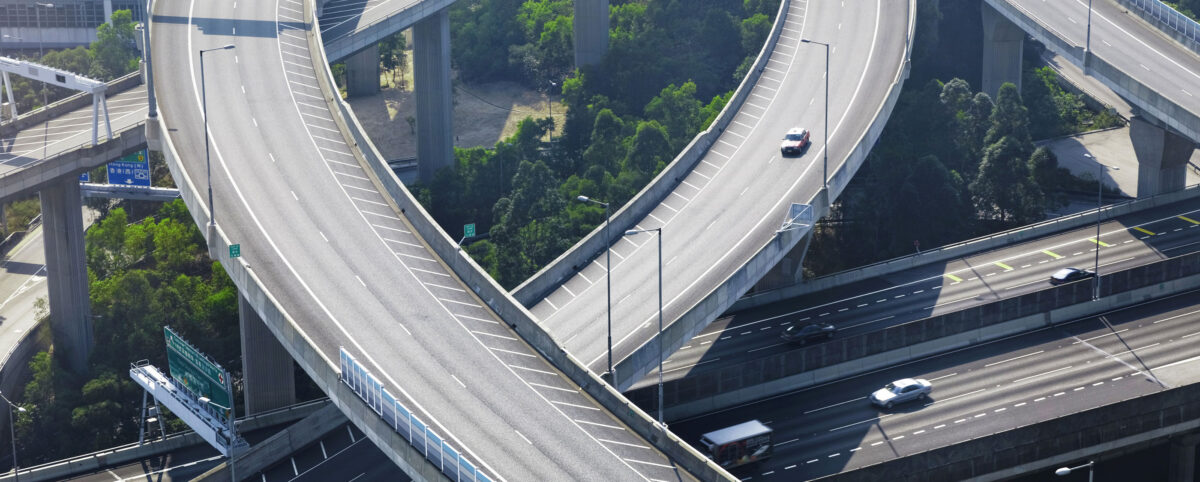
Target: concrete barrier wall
x=964, y=248
x=68, y=104
x=1142, y=97
x=686, y=326
x=14, y=367
x=1049, y=443
x=1183, y=29
x=124, y=454
x=546, y=280
x=846, y=356
x=71, y=163
x=499, y=300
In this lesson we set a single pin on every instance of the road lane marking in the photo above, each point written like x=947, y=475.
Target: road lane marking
x=881, y=417
x=956, y=396
x=1003, y=266
x=941, y=377
x=1176, y=316
x=833, y=405
x=1101, y=336
x=1144, y=230
x=523, y=437
x=1180, y=362
x=598, y=424
x=1014, y=358
x=1190, y=220
x=1019, y=380
x=464, y=385
x=627, y=444
x=1099, y=242
x=953, y=278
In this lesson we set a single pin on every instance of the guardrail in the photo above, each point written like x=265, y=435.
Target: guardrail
x=1169, y=20
x=404, y=421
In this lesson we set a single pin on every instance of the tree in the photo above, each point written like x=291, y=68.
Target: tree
x=651, y=148
x=1004, y=190
x=392, y=57
x=678, y=110
x=1010, y=118
x=114, y=51
x=1044, y=120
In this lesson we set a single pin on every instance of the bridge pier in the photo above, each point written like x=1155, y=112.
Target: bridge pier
x=1002, y=51
x=268, y=372
x=1162, y=157
x=1182, y=467
x=362, y=72
x=435, y=114
x=66, y=273
x=591, y=31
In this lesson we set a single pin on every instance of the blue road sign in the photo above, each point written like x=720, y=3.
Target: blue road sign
x=85, y=177
x=131, y=170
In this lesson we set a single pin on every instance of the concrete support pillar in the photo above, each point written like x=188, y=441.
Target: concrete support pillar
x=1002, y=51
x=66, y=273
x=268, y=373
x=108, y=11
x=591, y=31
x=435, y=115
x=1182, y=466
x=362, y=72
x=1162, y=157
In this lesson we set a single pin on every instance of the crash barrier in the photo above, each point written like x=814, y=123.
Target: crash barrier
x=1167, y=19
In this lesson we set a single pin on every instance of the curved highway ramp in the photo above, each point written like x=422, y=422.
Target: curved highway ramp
x=335, y=255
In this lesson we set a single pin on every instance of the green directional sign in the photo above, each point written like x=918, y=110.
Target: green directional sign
x=195, y=371
x=469, y=231
x=235, y=251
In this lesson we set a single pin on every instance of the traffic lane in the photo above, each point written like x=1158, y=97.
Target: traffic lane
x=358, y=461
x=69, y=132
x=1123, y=248
x=1171, y=314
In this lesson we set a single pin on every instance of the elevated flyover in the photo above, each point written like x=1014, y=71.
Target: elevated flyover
x=1144, y=65
x=721, y=201
x=336, y=254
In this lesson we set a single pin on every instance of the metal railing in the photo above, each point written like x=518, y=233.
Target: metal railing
x=1169, y=17
x=404, y=421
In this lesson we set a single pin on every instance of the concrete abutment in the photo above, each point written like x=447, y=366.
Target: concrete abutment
x=1162, y=157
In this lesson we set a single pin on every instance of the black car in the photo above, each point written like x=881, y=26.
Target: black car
x=809, y=332
x=1067, y=275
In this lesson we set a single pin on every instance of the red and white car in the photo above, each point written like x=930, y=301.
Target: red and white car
x=794, y=141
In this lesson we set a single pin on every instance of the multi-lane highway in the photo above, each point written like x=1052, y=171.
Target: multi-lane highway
x=346, y=266
x=977, y=391
x=729, y=206
x=69, y=131
x=1123, y=39
x=873, y=304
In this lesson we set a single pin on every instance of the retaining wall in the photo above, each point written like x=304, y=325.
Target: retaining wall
x=846, y=356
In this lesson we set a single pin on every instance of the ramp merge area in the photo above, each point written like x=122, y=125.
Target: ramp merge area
x=338, y=264
x=730, y=205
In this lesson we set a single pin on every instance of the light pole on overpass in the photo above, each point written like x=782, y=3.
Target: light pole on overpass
x=37, y=12
x=825, y=161
x=232, y=433
x=660, y=319
x=1087, y=45
x=610, y=374
x=12, y=432
x=212, y=211
x=1067, y=470
x=1099, y=203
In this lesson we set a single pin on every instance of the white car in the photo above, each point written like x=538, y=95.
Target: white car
x=902, y=390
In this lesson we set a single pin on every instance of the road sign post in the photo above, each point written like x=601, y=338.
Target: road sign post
x=469, y=231
x=235, y=251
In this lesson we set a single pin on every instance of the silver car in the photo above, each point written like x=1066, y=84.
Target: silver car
x=900, y=391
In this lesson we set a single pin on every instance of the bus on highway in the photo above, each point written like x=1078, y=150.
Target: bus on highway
x=740, y=444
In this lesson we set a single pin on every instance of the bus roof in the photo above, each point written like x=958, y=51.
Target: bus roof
x=737, y=432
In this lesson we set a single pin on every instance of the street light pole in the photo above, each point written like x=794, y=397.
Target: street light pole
x=232, y=433
x=825, y=160
x=550, y=105
x=37, y=12
x=1088, y=43
x=612, y=375
x=1099, y=203
x=1067, y=470
x=12, y=431
x=212, y=212
x=660, y=320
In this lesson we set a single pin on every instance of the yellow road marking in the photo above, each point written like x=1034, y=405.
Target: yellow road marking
x=1003, y=266
x=1190, y=220
x=1052, y=254
x=1147, y=231
x=954, y=278
x=1101, y=243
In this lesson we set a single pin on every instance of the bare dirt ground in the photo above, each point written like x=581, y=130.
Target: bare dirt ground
x=484, y=114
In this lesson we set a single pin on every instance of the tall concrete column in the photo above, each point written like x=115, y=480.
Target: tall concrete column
x=362, y=72
x=435, y=115
x=591, y=31
x=66, y=273
x=1002, y=51
x=108, y=11
x=1182, y=466
x=268, y=373
x=1162, y=157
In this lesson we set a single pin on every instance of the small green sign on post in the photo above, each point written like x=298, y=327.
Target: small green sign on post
x=235, y=251
x=469, y=231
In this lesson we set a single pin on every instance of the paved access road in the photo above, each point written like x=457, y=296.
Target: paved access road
x=873, y=304
x=730, y=205
x=347, y=267
x=977, y=391
x=70, y=131
x=1123, y=39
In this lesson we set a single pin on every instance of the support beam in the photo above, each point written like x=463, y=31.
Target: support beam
x=362, y=72
x=1162, y=157
x=267, y=369
x=66, y=273
x=1002, y=51
x=431, y=69
x=1182, y=466
x=591, y=31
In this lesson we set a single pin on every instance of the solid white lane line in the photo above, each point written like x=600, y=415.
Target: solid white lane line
x=1041, y=374
x=1014, y=358
x=833, y=405
x=464, y=385
x=954, y=397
